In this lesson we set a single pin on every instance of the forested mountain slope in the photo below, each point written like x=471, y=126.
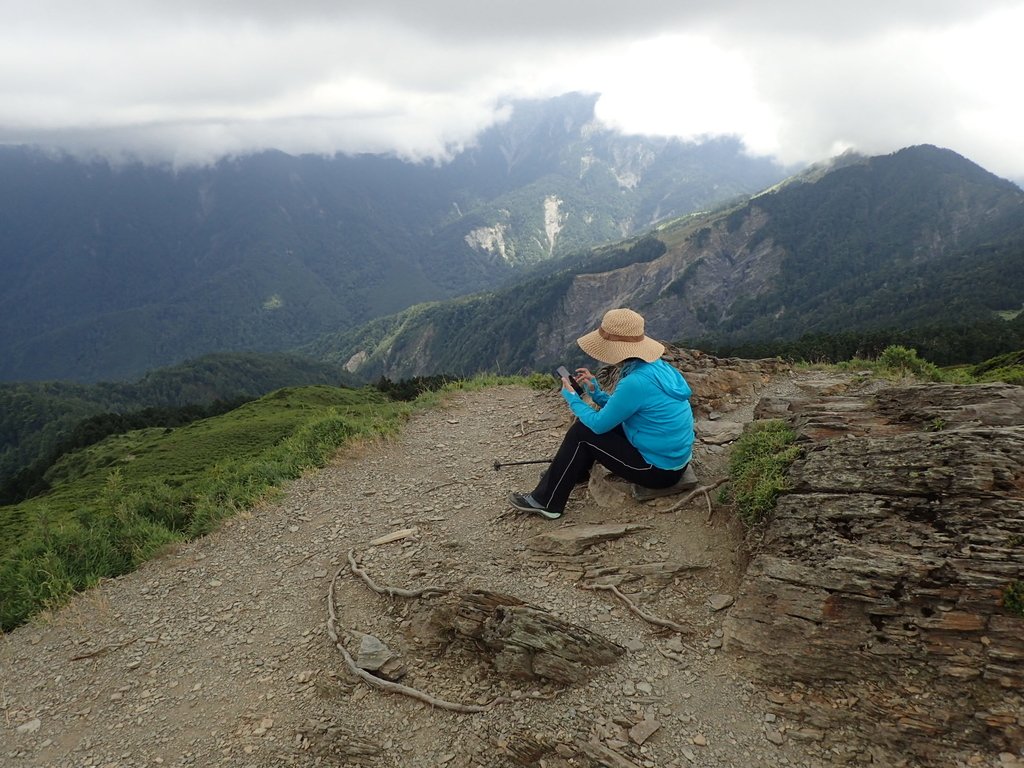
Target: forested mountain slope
x=106, y=272
x=917, y=238
x=36, y=418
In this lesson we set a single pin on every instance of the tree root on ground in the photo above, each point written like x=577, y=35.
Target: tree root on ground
x=650, y=618
x=392, y=591
x=706, y=490
x=387, y=685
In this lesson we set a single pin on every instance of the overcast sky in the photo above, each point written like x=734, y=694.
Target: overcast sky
x=192, y=80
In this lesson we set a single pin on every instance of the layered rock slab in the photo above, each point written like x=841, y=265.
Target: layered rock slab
x=876, y=599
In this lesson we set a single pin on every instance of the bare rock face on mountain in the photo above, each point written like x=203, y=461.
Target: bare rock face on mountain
x=885, y=594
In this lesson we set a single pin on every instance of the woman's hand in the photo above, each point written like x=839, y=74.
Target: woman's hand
x=586, y=379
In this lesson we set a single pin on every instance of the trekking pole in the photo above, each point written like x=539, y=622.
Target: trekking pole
x=499, y=464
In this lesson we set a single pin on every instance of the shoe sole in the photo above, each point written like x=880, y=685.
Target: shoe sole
x=545, y=513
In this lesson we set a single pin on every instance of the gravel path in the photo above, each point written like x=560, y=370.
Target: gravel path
x=217, y=654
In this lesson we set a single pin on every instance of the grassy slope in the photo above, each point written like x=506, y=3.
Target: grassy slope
x=119, y=502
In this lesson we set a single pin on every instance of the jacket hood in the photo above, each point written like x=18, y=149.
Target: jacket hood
x=668, y=379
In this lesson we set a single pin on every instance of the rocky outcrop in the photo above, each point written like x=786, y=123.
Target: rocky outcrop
x=527, y=642
x=878, y=597
x=719, y=384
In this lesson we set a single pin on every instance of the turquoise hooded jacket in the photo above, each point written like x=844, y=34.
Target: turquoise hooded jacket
x=652, y=403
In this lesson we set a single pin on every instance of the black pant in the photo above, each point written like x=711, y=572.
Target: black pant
x=580, y=448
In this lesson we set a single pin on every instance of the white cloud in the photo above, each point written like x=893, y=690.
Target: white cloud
x=192, y=80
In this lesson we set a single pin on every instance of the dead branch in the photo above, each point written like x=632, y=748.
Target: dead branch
x=387, y=685
x=300, y=561
x=103, y=649
x=392, y=591
x=538, y=429
x=650, y=618
x=675, y=656
x=604, y=755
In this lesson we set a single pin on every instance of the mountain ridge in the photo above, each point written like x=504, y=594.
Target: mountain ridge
x=896, y=240
x=107, y=272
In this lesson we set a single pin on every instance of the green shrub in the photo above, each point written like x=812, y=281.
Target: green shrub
x=540, y=381
x=1013, y=598
x=1011, y=374
x=905, y=362
x=757, y=468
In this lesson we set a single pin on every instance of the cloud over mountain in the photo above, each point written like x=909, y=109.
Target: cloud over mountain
x=191, y=81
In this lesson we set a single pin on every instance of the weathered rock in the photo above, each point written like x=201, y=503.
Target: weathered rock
x=528, y=747
x=372, y=653
x=720, y=602
x=882, y=573
x=335, y=742
x=608, y=491
x=605, y=756
x=374, y=656
x=572, y=540
x=718, y=384
x=643, y=730
x=718, y=432
x=31, y=726
x=528, y=642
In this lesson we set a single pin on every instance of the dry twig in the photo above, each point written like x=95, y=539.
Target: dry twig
x=538, y=429
x=103, y=649
x=300, y=561
x=392, y=591
x=442, y=485
x=387, y=685
x=648, y=617
x=675, y=656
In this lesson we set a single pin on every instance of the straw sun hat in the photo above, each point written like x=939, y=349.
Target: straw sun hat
x=620, y=336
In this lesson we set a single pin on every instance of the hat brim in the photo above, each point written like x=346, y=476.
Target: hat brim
x=613, y=352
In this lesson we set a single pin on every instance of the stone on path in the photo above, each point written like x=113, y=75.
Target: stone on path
x=643, y=730
x=720, y=602
x=31, y=726
x=572, y=540
x=374, y=656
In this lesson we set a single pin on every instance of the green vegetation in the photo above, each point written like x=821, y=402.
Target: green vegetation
x=31, y=481
x=901, y=362
x=757, y=469
x=117, y=503
x=944, y=345
x=904, y=362
x=1008, y=368
x=1013, y=598
x=41, y=420
x=877, y=244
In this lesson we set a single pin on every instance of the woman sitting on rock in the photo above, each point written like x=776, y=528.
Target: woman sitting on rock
x=642, y=432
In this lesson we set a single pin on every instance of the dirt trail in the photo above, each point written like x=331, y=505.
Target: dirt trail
x=217, y=654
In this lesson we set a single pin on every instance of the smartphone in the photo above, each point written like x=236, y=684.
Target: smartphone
x=561, y=371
